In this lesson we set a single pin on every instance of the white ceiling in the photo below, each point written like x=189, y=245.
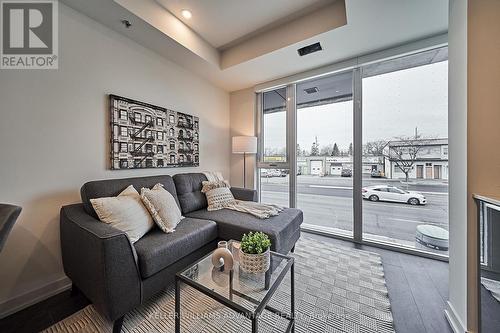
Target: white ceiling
x=371, y=26
x=221, y=22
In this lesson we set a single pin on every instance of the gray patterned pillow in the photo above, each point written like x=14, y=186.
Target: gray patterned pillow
x=162, y=206
x=218, y=194
x=210, y=185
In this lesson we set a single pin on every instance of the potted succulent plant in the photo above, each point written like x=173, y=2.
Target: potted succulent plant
x=254, y=252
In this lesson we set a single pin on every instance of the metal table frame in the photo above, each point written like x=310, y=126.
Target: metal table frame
x=261, y=305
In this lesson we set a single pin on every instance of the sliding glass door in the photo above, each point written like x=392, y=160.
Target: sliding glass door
x=363, y=152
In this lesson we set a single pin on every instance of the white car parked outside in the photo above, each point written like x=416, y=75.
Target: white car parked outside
x=392, y=193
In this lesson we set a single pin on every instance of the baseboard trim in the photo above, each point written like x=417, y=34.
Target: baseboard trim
x=34, y=296
x=451, y=315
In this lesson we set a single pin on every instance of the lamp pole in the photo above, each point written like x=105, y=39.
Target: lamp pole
x=244, y=170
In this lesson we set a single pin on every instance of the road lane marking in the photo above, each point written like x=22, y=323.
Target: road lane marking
x=415, y=221
x=350, y=188
x=438, y=193
x=330, y=186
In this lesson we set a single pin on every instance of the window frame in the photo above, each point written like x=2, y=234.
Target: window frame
x=123, y=112
x=356, y=65
x=260, y=130
x=124, y=128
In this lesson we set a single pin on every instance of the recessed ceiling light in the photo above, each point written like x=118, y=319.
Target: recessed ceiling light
x=186, y=13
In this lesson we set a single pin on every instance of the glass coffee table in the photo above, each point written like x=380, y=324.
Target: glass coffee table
x=247, y=294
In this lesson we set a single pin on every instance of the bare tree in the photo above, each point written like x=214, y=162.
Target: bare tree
x=404, y=152
x=326, y=150
x=375, y=148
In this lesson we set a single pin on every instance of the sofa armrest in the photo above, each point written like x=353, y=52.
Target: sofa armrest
x=244, y=194
x=100, y=261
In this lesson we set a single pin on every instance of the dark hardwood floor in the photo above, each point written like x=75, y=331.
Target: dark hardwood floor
x=42, y=315
x=418, y=290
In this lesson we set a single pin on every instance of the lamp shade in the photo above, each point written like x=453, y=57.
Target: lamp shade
x=244, y=144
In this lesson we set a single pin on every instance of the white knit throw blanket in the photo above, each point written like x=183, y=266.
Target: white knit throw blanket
x=213, y=176
x=260, y=210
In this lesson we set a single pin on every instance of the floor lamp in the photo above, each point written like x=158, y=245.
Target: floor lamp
x=244, y=145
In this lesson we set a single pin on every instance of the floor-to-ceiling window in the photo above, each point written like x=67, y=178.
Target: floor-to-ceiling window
x=378, y=130
x=274, y=171
x=325, y=152
x=405, y=151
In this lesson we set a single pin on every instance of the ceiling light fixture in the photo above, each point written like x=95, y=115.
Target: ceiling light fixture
x=186, y=13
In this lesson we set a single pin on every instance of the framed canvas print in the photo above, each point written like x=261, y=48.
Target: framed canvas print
x=150, y=136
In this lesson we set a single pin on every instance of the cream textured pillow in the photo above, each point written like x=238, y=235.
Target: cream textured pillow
x=162, y=206
x=218, y=194
x=125, y=212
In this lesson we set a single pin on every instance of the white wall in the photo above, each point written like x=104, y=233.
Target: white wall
x=242, y=106
x=457, y=129
x=54, y=136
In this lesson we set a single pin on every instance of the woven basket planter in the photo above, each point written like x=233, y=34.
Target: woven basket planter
x=255, y=263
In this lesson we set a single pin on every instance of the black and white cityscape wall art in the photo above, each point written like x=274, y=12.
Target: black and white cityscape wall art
x=149, y=136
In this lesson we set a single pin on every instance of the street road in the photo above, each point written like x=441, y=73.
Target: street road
x=327, y=202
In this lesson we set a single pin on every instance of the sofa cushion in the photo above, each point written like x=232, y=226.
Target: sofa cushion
x=113, y=187
x=162, y=206
x=157, y=250
x=218, y=195
x=233, y=224
x=188, y=187
x=126, y=212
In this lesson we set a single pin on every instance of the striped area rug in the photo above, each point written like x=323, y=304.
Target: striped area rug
x=336, y=290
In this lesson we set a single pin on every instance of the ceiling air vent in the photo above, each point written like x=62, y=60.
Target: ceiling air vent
x=309, y=49
x=311, y=90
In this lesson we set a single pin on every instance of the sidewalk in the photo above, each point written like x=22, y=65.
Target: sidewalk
x=348, y=181
x=369, y=180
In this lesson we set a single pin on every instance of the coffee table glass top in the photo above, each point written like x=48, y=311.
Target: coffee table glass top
x=246, y=289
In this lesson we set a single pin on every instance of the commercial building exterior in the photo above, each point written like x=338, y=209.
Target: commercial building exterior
x=431, y=162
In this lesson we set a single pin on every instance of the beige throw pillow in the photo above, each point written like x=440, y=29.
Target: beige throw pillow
x=125, y=212
x=162, y=206
x=218, y=194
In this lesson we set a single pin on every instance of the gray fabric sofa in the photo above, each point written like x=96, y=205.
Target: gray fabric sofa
x=117, y=275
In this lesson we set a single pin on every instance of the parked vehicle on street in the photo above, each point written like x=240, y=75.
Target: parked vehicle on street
x=268, y=173
x=377, y=174
x=346, y=173
x=284, y=172
x=275, y=173
x=393, y=194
